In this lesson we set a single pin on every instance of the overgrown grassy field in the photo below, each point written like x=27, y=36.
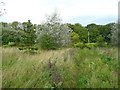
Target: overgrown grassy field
x=64, y=68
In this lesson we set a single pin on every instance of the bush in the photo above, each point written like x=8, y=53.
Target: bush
x=80, y=45
x=33, y=48
x=82, y=81
x=48, y=42
x=5, y=46
x=11, y=35
x=102, y=44
x=74, y=39
x=90, y=45
x=11, y=44
x=87, y=45
x=30, y=50
x=22, y=48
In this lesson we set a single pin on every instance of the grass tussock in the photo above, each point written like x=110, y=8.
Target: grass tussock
x=75, y=68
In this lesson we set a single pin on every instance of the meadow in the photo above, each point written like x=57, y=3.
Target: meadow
x=63, y=68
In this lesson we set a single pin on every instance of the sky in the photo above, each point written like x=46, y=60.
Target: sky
x=71, y=11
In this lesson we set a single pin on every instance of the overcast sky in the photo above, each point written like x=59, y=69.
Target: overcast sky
x=71, y=11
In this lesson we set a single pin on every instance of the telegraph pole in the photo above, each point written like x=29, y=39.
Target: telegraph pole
x=88, y=36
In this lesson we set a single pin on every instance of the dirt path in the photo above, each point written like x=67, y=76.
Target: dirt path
x=56, y=80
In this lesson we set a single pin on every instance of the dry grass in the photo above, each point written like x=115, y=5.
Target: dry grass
x=0, y=67
x=76, y=68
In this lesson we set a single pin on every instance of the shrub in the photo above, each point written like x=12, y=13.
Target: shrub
x=104, y=44
x=90, y=45
x=75, y=39
x=33, y=48
x=11, y=35
x=47, y=42
x=82, y=81
x=80, y=45
x=30, y=50
x=106, y=58
x=5, y=46
x=11, y=44
x=22, y=48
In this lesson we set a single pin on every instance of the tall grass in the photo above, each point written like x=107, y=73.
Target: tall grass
x=96, y=69
x=0, y=67
x=77, y=68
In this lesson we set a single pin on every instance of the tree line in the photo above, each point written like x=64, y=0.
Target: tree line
x=52, y=34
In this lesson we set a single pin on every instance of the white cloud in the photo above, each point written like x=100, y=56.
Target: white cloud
x=35, y=10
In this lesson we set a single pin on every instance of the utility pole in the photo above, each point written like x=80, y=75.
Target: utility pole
x=88, y=36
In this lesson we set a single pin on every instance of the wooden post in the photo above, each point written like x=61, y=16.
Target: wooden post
x=88, y=36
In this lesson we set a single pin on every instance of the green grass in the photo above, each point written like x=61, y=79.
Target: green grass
x=77, y=68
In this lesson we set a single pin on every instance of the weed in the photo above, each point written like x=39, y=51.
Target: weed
x=68, y=68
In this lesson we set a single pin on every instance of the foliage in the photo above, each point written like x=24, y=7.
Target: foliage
x=94, y=68
x=101, y=42
x=105, y=32
x=30, y=37
x=15, y=25
x=29, y=50
x=93, y=32
x=80, y=45
x=64, y=35
x=90, y=45
x=54, y=30
x=11, y=44
x=19, y=37
x=74, y=38
x=48, y=42
x=92, y=62
x=80, y=30
x=11, y=36
x=82, y=81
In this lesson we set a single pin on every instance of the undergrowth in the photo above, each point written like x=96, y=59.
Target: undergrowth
x=76, y=68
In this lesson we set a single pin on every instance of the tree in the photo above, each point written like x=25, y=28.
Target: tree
x=57, y=32
x=4, y=24
x=93, y=32
x=11, y=35
x=15, y=25
x=80, y=30
x=105, y=31
x=25, y=37
x=48, y=42
x=100, y=41
x=24, y=25
x=30, y=36
x=74, y=38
